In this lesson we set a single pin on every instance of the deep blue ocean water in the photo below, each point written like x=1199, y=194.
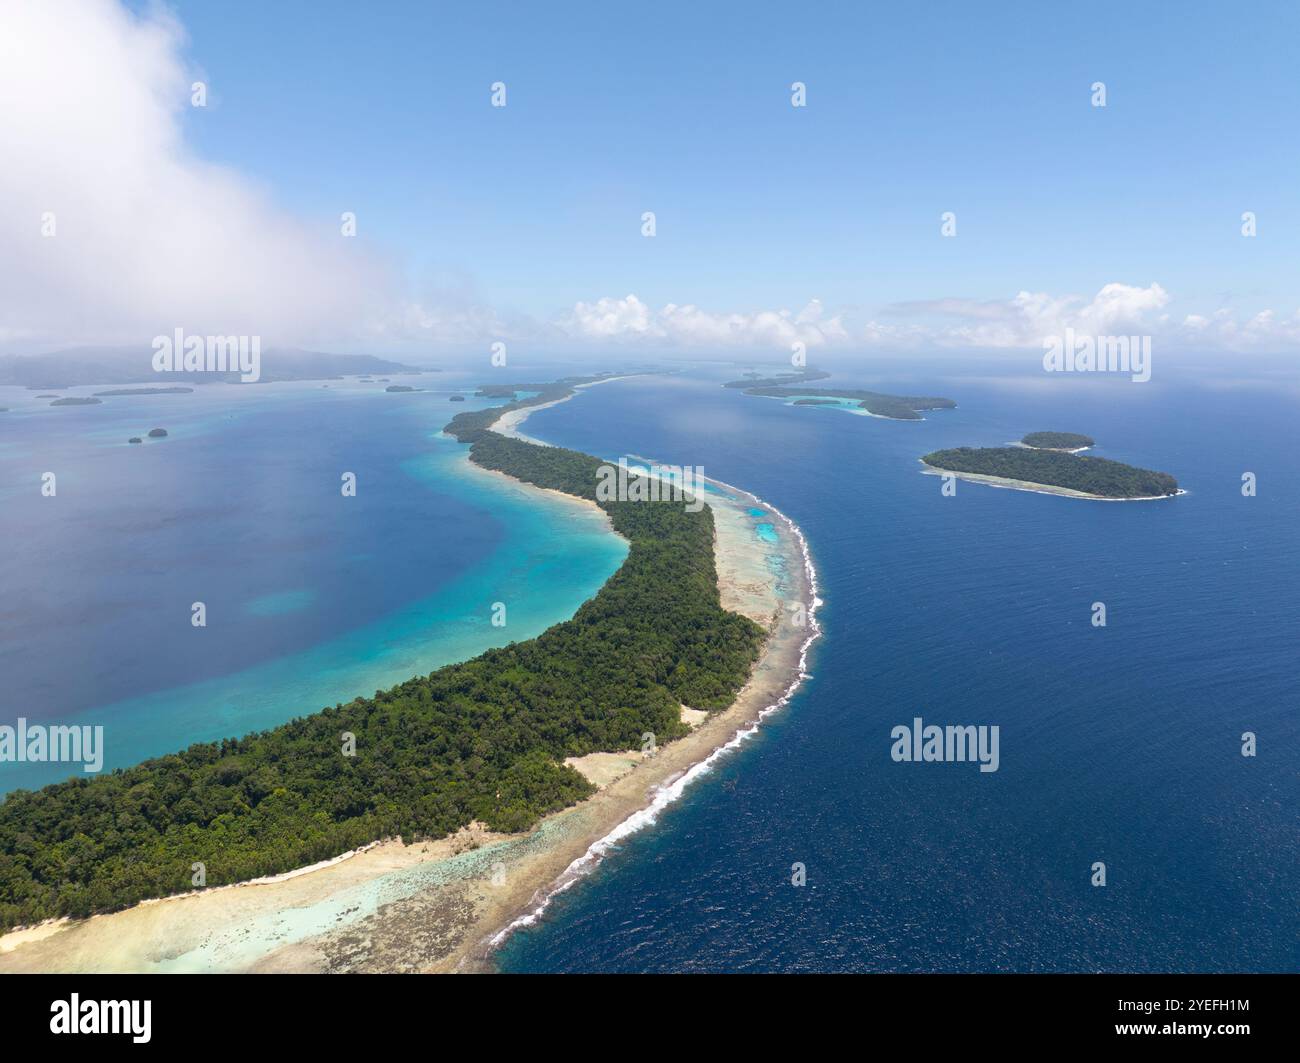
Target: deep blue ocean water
x=1119, y=744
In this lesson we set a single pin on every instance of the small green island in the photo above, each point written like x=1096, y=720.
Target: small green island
x=754, y=380
x=115, y=392
x=878, y=404
x=400, y=388
x=1054, y=471
x=1070, y=442
x=77, y=401
x=157, y=433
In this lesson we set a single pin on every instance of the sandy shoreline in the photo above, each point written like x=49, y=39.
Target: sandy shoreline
x=1052, y=450
x=1035, y=488
x=508, y=423
x=858, y=411
x=444, y=905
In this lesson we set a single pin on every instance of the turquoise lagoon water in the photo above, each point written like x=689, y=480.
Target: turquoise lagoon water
x=311, y=598
x=825, y=402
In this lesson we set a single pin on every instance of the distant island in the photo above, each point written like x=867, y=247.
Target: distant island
x=893, y=407
x=144, y=391
x=1054, y=471
x=134, y=365
x=135, y=439
x=400, y=388
x=77, y=401
x=458, y=398
x=157, y=433
x=1067, y=441
x=753, y=380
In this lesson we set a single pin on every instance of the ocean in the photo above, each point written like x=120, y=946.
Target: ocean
x=1119, y=745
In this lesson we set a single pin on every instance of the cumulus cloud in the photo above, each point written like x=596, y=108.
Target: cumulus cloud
x=689, y=326
x=1022, y=322
x=1028, y=317
x=1264, y=330
x=146, y=237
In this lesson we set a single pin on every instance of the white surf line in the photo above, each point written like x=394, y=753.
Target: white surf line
x=666, y=795
x=1040, y=489
x=1054, y=450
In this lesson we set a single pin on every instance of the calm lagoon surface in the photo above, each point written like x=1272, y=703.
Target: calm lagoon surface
x=311, y=598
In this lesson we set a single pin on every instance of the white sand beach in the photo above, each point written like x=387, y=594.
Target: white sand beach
x=1038, y=489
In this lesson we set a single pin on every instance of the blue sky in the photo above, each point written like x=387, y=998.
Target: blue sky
x=509, y=217
x=684, y=109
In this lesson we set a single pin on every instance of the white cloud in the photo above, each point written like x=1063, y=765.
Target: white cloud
x=1117, y=309
x=1021, y=322
x=148, y=237
x=1264, y=330
x=1028, y=317
x=689, y=326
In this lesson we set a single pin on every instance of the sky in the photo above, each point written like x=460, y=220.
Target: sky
x=773, y=223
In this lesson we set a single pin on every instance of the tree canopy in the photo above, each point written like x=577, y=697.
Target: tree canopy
x=1053, y=468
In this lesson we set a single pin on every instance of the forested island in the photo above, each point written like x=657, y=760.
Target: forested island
x=1068, y=441
x=110, y=366
x=896, y=407
x=115, y=392
x=753, y=380
x=481, y=740
x=1097, y=477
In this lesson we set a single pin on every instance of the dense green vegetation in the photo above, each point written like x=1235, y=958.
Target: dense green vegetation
x=899, y=407
x=1057, y=440
x=1096, y=476
x=483, y=740
x=753, y=380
